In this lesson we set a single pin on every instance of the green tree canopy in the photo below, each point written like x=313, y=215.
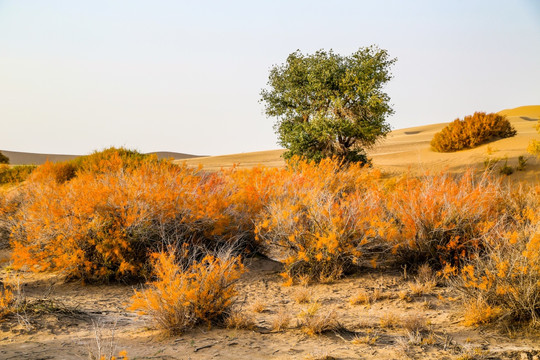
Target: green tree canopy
x=330, y=105
x=3, y=159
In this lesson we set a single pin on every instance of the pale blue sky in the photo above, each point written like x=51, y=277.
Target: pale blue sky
x=185, y=76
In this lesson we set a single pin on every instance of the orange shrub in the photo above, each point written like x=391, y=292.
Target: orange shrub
x=101, y=223
x=325, y=220
x=9, y=205
x=472, y=131
x=507, y=276
x=442, y=219
x=534, y=145
x=7, y=301
x=183, y=296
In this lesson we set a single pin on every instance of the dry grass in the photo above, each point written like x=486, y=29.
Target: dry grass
x=389, y=320
x=258, y=306
x=302, y=295
x=364, y=297
x=367, y=339
x=239, y=320
x=281, y=320
x=315, y=322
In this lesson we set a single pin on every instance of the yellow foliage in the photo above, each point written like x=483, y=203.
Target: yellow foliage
x=182, y=297
x=472, y=131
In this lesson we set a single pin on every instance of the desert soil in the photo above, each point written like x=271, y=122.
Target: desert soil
x=68, y=320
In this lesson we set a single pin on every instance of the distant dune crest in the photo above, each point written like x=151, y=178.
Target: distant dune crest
x=26, y=158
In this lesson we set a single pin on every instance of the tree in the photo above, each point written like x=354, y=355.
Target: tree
x=3, y=159
x=330, y=105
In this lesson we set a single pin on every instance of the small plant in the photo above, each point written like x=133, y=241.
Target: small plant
x=281, y=320
x=490, y=163
x=490, y=150
x=522, y=163
x=184, y=296
x=362, y=297
x=405, y=295
x=534, y=145
x=505, y=169
x=104, y=349
x=389, y=320
x=302, y=295
x=478, y=312
x=238, y=319
x=367, y=339
x=315, y=322
x=418, y=288
x=414, y=323
x=258, y=306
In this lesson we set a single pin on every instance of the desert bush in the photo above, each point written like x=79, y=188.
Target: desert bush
x=7, y=300
x=442, y=219
x=10, y=202
x=15, y=174
x=186, y=293
x=99, y=219
x=3, y=159
x=472, y=131
x=534, y=145
x=504, y=282
x=325, y=220
x=102, y=226
x=239, y=320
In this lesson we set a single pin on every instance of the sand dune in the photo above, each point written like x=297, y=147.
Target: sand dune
x=409, y=150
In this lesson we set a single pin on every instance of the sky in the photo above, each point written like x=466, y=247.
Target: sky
x=186, y=76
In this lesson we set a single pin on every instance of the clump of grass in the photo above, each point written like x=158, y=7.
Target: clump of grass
x=258, y=306
x=315, y=322
x=281, y=320
x=367, y=339
x=239, y=320
x=389, y=320
x=362, y=297
x=302, y=295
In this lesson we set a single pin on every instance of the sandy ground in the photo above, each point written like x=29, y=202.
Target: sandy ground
x=64, y=322
x=409, y=150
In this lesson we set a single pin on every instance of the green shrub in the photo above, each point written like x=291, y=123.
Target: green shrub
x=472, y=131
x=3, y=159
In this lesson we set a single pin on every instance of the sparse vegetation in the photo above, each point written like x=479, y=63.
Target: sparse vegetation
x=472, y=131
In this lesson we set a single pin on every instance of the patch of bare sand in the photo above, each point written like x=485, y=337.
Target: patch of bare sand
x=66, y=329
